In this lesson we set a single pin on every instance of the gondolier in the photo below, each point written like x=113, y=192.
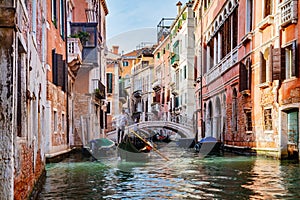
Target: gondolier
x=121, y=122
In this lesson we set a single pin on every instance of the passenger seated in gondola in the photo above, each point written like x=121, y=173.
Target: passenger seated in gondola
x=147, y=147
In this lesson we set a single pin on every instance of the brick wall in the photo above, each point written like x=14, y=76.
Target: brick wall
x=27, y=173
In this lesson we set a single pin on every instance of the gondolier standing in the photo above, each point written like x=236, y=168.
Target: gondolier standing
x=122, y=121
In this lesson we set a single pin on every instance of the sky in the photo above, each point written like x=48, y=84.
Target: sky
x=131, y=22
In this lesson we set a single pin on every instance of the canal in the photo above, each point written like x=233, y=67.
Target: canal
x=185, y=176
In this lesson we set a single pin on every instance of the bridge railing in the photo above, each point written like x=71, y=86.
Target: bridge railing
x=170, y=118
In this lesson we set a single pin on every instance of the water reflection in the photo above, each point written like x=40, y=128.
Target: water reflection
x=184, y=177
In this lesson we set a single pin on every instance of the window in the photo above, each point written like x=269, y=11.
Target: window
x=248, y=119
x=55, y=122
x=263, y=68
x=109, y=84
x=61, y=18
x=145, y=63
x=268, y=119
x=86, y=32
x=184, y=72
x=158, y=55
x=108, y=107
x=290, y=61
x=53, y=12
x=249, y=11
x=245, y=75
x=268, y=6
x=20, y=75
x=211, y=53
x=63, y=122
x=125, y=63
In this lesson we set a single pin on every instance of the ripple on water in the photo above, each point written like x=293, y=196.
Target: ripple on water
x=184, y=177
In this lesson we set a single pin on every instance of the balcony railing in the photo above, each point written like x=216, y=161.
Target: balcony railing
x=289, y=12
x=175, y=60
x=156, y=84
x=99, y=91
x=225, y=64
x=74, y=49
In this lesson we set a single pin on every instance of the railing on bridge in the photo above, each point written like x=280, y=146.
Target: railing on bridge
x=155, y=120
x=183, y=120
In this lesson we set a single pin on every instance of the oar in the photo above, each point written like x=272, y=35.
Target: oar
x=148, y=143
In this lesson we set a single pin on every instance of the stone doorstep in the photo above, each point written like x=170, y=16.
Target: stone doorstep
x=51, y=155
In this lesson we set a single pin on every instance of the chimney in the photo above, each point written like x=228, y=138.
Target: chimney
x=179, y=4
x=115, y=49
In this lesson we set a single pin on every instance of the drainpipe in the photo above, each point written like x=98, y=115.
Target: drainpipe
x=201, y=72
x=67, y=72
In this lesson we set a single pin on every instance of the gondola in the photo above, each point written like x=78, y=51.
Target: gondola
x=101, y=147
x=133, y=148
x=208, y=146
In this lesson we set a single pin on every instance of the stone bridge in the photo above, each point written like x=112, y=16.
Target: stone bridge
x=185, y=130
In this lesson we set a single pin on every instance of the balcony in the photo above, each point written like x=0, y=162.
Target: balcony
x=99, y=92
x=156, y=85
x=74, y=50
x=226, y=63
x=289, y=12
x=175, y=60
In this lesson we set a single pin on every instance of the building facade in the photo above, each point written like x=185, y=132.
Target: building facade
x=275, y=72
x=90, y=84
x=23, y=96
x=113, y=94
x=161, y=106
x=247, y=79
x=141, y=95
x=57, y=140
x=182, y=63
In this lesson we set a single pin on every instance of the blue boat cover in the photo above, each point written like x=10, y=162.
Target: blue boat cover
x=208, y=139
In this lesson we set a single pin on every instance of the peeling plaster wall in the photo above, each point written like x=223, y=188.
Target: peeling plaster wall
x=6, y=112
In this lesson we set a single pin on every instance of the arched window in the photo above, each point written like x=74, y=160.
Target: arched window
x=218, y=118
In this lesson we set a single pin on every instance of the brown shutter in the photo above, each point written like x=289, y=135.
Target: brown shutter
x=295, y=66
x=249, y=73
x=60, y=71
x=277, y=64
x=283, y=76
x=262, y=68
x=270, y=63
x=243, y=77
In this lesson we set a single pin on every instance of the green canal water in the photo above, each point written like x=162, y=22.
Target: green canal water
x=185, y=176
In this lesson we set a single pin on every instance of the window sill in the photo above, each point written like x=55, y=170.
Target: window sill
x=265, y=85
x=267, y=21
x=246, y=92
x=249, y=132
x=269, y=132
x=290, y=79
x=247, y=38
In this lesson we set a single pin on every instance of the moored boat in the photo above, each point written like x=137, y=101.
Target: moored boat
x=208, y=146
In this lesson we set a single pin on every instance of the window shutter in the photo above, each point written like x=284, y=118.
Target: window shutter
x=277, y=64
x=243, y=77
x=249, y=73
x=283, y=76
x=294, y=57
x=262, y=68
x=54, y=67
x=60, y=71
x=270, y=63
